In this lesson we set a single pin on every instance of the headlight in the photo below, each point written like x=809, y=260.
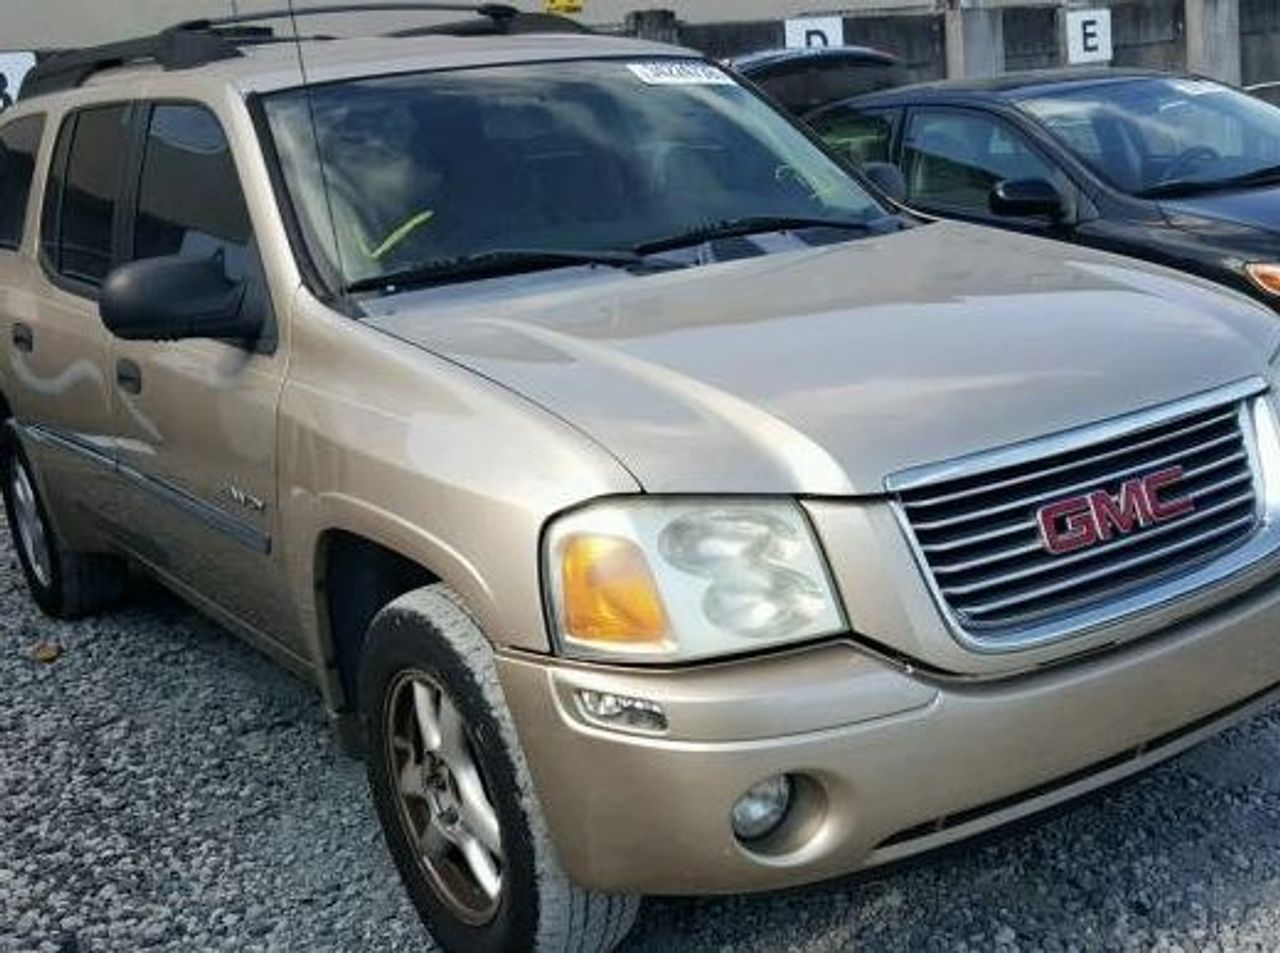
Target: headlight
x=1265, y=275
x=662, y=580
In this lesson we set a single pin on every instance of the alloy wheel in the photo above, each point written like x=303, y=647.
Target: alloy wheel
x=444, y=804
x=32, y=536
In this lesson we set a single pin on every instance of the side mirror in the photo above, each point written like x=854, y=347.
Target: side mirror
x=174, y=298
x=1027, y=198
x=888, y=178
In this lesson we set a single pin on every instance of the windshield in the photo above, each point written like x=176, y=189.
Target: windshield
x=1146, y=135
x=571, y=158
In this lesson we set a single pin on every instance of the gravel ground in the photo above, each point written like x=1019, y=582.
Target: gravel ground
x=164, y=787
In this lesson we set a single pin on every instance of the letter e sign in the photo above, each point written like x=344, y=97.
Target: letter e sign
x=1088, y=36
x=815, y=31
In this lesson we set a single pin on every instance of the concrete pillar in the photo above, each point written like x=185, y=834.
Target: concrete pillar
x=975, y=40
x=1213, y=39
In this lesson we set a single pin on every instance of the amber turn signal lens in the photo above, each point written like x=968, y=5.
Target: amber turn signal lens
x=609, y=592
x=1265, y=276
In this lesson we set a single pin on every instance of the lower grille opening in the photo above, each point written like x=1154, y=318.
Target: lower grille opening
x=961, y=818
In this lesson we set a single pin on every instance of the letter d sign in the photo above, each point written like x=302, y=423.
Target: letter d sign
x=815, y=31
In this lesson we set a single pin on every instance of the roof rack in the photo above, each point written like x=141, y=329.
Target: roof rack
x=198, y=43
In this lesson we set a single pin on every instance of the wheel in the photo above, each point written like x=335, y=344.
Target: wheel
x=454, y=794
x=65, y=583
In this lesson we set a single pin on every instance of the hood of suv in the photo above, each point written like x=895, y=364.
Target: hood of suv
x=823, y=371
x=1251, y=208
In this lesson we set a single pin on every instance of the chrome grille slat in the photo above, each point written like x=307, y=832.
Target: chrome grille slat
x=1103, y=572
x=976, y=529
x=1076, y=464
x=985, y=537
x=1030, y=525
x=1059, y=492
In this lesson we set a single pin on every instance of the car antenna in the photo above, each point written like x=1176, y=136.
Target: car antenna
x=341, y=284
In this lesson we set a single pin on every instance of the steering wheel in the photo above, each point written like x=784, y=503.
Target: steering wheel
x=1183, y=162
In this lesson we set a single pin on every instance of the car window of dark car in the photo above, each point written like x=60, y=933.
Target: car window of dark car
x=1145, y=133
x=859, y=135
x=80, y=202
x=186, y=146
x=953, y=158
x=19, y=142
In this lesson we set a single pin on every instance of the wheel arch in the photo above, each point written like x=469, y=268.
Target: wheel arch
x=356, y=576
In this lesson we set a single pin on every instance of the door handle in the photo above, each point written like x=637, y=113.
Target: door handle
x=129, y=376
x=24, y=339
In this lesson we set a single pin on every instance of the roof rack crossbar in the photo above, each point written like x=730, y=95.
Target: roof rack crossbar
x=493, y=11
x=196, y=43
x=173, y=48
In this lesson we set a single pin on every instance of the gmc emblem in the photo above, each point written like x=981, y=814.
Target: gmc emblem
x=1084, y=521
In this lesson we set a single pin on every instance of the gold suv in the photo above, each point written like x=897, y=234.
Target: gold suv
x=663, y=509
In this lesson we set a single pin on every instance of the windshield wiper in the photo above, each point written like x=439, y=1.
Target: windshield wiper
x=1183, y=187
x=1265, y=175
x=499, y=262
x=739, y=227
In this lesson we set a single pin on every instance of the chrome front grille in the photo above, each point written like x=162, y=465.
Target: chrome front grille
x=975, y=524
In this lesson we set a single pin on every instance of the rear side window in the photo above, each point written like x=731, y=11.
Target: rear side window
x=19, y=143
x=862, y=137
x=189, y=200
x=80, y=203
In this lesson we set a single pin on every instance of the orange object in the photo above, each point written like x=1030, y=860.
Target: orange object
x=1266, y=277
x=609, y=592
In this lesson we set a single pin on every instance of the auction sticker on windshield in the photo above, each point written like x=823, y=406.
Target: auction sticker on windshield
x=680, y=73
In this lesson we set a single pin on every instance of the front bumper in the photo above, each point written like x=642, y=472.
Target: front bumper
x=895, y=763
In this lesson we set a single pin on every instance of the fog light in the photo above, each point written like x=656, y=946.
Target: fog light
x=622, y=711
x=759, y=812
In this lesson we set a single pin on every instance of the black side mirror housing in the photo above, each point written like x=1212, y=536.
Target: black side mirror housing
x=175, y=298
x=1027, y=198
x=888, y=178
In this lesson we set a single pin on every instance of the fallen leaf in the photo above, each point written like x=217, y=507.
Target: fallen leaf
x=47, y=652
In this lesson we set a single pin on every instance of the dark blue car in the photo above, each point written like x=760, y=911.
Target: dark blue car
x=1178, y=170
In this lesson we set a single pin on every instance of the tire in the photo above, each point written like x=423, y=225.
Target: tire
x=426, y=645
x=65, y=583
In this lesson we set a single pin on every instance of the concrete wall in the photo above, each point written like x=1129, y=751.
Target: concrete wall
x=1150, y=33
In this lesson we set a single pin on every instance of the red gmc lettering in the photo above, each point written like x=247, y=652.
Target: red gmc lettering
x=1068, y=525
x=1122, y=515
x=1083, y=521
x=1163, y=510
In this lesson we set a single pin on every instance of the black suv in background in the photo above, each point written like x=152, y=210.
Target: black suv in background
x=802, y=80
x=1179, y=170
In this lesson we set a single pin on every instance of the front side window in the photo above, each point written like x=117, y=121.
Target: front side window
x=952, y=159
x=19, y=143
x=584, y=156
x=1154, y=134
x=83, y=191
x=190, y=202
